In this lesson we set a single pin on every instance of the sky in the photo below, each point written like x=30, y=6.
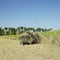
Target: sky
x=30, y=13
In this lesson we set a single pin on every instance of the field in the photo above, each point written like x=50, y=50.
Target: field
x=48, y=49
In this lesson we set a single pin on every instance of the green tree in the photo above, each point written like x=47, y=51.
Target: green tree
x=12, y=31
x=18, y=30
x=3, y=32
x=39, y=29
x=6, y=30
x=0, y=31
x=33, y=29
x=43, y=30
x=21, y=29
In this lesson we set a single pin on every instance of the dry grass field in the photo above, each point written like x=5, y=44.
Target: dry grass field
x=11, y=49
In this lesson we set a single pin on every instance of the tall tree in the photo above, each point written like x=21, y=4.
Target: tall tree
x=6, y=30
x=18, y=30
x=0, y=31
x=12, y=31
x=3, y=32
x=43, y=30
x=25, y=29
x=21, y=29
x=39, y=29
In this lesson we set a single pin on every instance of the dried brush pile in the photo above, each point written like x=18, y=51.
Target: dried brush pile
x=29, y=38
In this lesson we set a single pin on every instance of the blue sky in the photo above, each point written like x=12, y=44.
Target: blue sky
x=30, y=13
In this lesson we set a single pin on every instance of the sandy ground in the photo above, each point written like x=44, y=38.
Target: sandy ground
x=12, y=50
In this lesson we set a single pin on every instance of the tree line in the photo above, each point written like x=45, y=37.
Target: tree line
x=19, y=30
